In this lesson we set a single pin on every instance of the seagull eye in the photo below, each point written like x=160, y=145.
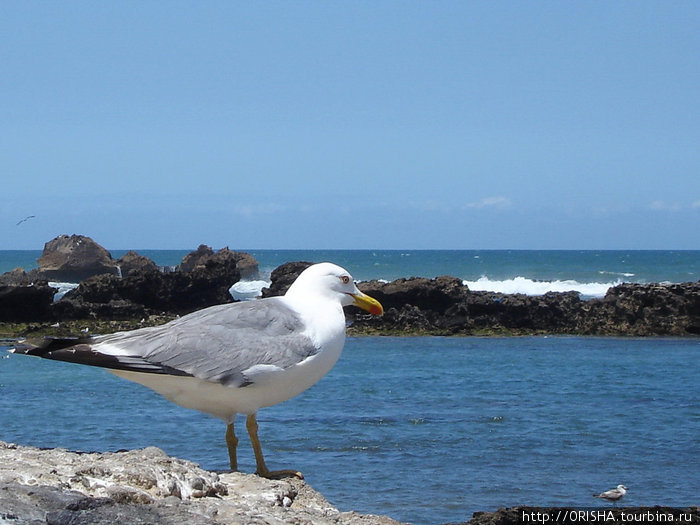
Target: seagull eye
x=345, y=279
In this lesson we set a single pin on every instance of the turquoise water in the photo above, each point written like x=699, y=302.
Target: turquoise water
x=426, y=430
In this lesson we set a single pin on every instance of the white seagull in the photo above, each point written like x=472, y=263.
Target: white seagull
x=232, y=358
x=613, y=495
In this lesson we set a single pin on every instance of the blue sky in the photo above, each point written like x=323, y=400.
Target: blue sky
x=377, y=124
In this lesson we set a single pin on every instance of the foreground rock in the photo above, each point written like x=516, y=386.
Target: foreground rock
x=147, y=486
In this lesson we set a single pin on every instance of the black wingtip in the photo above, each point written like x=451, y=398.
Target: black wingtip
x=49, y=344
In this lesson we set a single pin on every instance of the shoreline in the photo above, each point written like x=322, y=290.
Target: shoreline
x=147, y=485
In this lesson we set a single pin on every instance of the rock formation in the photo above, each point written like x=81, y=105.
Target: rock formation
x=146, y=290
x=23, y=302
x=415, y=306
x=132, y=287
x=444, y=306
x=73, y=259
x=246, y=264
x=56, y=486
x=131, y=263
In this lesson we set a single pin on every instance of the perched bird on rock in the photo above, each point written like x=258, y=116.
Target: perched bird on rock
x=233, y=358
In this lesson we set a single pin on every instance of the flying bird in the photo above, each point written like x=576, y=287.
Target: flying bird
x=233, y=358
x=613, y=495
x=25, y=219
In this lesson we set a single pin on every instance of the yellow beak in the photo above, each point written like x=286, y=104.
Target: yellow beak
x=368, y=303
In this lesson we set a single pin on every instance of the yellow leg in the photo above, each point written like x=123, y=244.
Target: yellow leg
x=251, y=424
x=232, y=442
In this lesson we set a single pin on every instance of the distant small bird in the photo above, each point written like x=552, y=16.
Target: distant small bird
x=613, y=495
x=25, y=219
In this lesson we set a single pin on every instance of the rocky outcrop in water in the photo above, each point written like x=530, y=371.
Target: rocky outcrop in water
x=415, y=306
x=55, y=486
x=134, y=286
x=132, y=263
x=147, y=291
x=444, y=306
x=204, y=255
x=72, y=259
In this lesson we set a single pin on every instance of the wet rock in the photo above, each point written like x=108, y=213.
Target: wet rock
x=26, y=303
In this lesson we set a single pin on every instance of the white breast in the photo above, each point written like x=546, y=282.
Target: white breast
x=271, y=384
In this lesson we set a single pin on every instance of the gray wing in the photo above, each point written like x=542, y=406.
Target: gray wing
x=216, y=344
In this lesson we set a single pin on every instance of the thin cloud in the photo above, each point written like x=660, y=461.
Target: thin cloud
x=665, y=206
x=497, y=203
x=249, y=210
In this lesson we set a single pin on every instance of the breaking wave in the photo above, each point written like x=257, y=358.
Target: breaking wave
x=526, y=286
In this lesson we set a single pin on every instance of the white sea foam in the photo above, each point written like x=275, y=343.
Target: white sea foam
x=245, y=290
x=621, y=274
x=527, y=286
x=63, y=288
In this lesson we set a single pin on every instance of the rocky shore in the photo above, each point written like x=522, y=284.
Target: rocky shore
x=60, y=487
x=133, y=291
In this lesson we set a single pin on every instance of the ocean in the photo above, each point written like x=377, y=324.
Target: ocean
x=427, y=430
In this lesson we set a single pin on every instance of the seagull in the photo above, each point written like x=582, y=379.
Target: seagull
x=25, y=219
x=613, y=495
x=232, y=358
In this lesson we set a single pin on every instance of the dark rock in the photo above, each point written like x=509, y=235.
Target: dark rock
x=440, y=306
x=26, y=303
x=111, y=297
x=283, y=276
x=195, y=258
x=73, y=259
x=132, y=263
x=246, y=263
x=16, y=277
x=444, y=306
x=144, y=290
x=436, y=295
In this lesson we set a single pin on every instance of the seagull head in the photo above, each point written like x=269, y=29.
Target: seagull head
x=333, y=282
